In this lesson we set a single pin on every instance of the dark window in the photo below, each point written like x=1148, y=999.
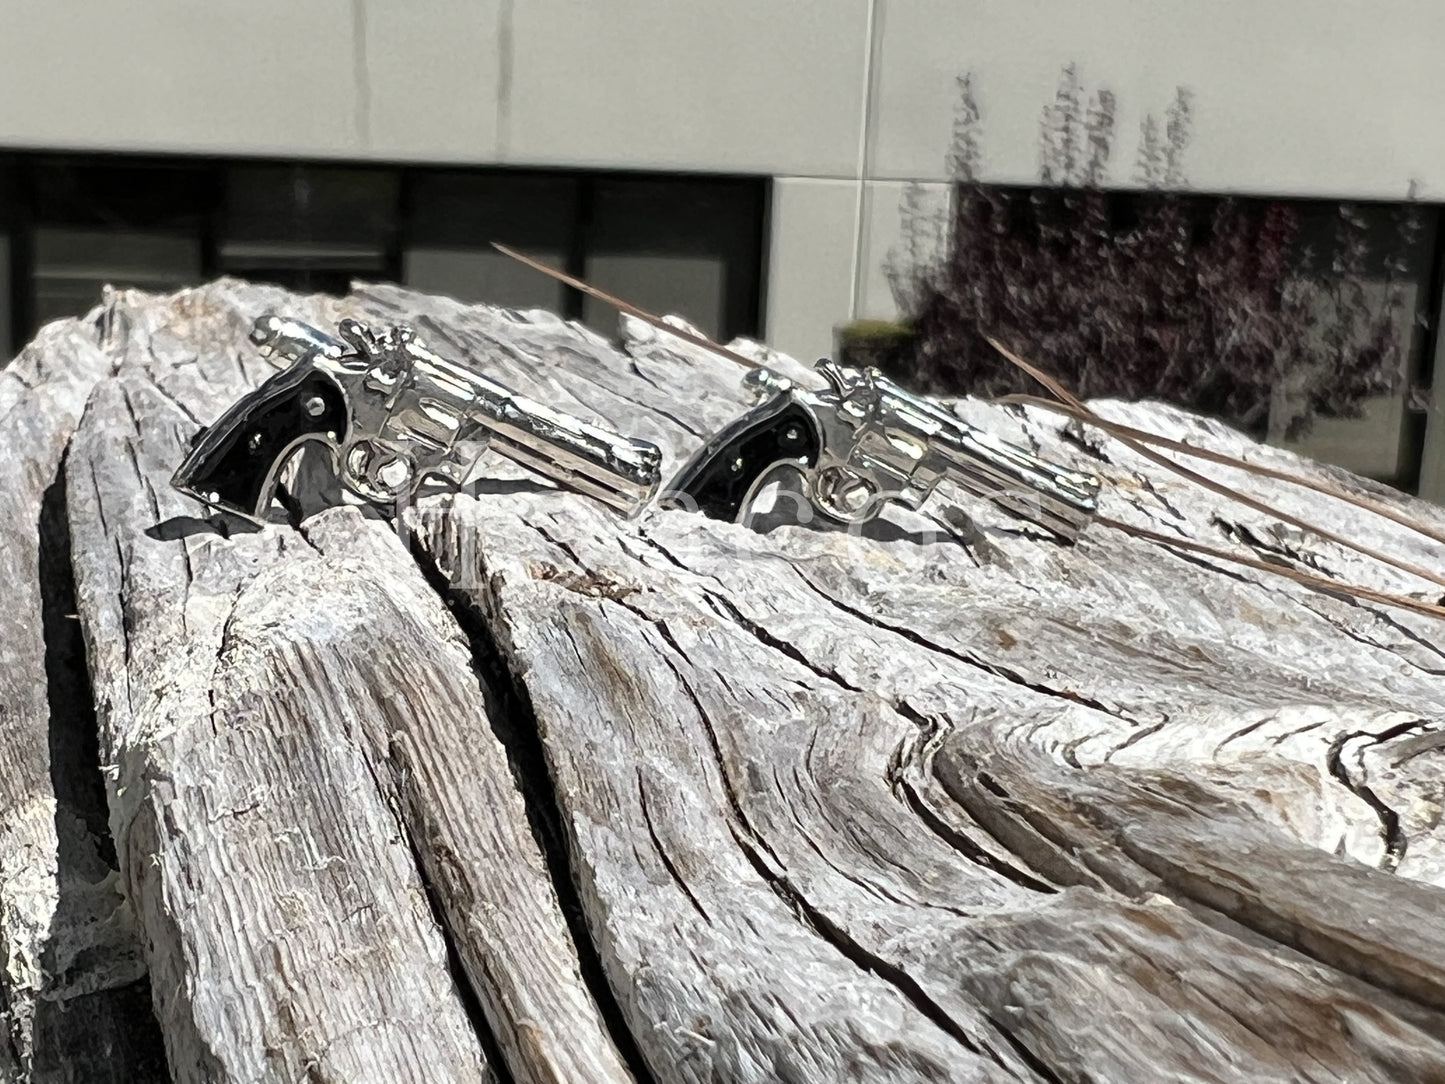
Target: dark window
x=684, y=245
x=677, y=245
x=87, y=223
x=69, y=224
x=310, y=228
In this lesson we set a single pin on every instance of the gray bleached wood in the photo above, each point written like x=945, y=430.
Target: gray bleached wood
x=295, y=724
x=1100, y=812
x=941, y=799
x=285, y=928
x=1113, y=978
x=70, y=965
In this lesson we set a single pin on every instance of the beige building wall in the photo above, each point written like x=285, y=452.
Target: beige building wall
x=749, y=86
x=810, y=263
x=1326, y=97
x=1304, y=97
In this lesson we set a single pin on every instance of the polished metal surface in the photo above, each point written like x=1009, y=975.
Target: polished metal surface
x=881, y=443
x=414, y=414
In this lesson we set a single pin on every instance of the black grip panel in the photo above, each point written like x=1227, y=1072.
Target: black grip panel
x=232, y=465
x=720, y=476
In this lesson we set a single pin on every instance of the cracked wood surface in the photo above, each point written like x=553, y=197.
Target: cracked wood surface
x=1014, y=809
x=296, y=731
x=937, y=800
x=72, y=995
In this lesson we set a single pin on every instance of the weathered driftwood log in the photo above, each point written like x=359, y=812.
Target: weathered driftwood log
x=73, y=997
x=295, y=725
x=514, y=787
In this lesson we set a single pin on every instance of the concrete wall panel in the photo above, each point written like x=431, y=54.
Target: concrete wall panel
x=1322, y=97
x=751, y=86
x=745, y=86
x=231, y=75
x=809, y=265
x=1311, y=98
x=436, y=73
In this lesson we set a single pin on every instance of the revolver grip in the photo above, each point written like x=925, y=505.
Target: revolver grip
x=720, y=477
x=233, y=465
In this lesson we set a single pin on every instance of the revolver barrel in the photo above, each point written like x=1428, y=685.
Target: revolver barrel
x=439, y=402
x=1053, y=496
x=619, y=471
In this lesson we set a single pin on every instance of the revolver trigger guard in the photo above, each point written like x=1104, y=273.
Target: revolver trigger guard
x=792, y=474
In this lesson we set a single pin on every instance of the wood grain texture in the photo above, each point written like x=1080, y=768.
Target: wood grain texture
x=294, y=721
x=519, y=788
x=1099, y=812
x=68, y=952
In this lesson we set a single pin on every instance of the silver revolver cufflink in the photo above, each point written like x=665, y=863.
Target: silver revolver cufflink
x=863, y=442
x=393, y=414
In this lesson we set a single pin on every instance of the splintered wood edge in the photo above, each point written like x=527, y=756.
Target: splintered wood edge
x=159, y=686
x=885, y=915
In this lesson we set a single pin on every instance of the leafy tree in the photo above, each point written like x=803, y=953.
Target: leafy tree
x=1200, y=301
